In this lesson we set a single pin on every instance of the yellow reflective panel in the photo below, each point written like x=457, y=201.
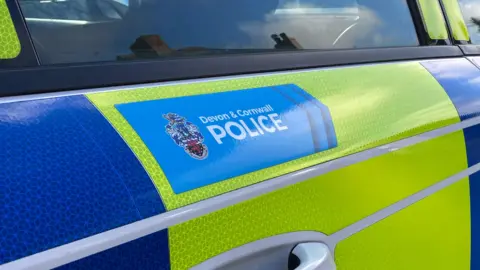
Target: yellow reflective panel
x=433, y=19
x=326, y=203
x=9, y=43
x=434, y=233
x=370, y=106
x=455, y=18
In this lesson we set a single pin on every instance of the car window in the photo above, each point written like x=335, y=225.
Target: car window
x=471, y=15
x=70, y=31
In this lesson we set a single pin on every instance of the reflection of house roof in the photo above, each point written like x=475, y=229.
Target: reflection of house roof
x=295, y=43
x=150, y=42
x=285, y=42
x=147, y=46
x=152, y=46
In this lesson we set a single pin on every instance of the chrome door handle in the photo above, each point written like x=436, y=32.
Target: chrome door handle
x=291, y=251
x=314, y=256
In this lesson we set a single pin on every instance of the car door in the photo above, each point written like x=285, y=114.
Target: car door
x=237, y=135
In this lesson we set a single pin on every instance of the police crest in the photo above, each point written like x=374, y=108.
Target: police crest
x=186, y=135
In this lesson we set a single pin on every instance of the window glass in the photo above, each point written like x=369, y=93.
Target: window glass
x=66, y=31
x=471, y=15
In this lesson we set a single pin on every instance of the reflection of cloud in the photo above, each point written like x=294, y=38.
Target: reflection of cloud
x=422, y=117
x=454, y=70
x=470, y=8
x=25, y=112
x=463, y=74
x=294, y=7
x=475, y=80
x=365, y=102
x=315, y=31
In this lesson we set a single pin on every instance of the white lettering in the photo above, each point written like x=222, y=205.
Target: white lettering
x=241, y=113
x=241, y=136
x=203, y=119
x=256, y=126
x=223, y=117
x=261, y=120
x=213, y=119
x=251, y=133
x=265, y=109
x=277, y=122
x=217, y=136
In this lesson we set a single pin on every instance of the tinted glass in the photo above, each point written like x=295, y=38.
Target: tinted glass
x=66, y=31
x=471, y=15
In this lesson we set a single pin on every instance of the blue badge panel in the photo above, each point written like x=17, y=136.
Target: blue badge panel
x=200, y=140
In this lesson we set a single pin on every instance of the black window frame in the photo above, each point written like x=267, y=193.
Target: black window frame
x=421, y=27
x=25, y=75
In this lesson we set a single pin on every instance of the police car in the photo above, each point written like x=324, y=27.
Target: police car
x=228, y=134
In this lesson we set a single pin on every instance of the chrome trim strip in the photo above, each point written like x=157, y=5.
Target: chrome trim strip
x=65, y=254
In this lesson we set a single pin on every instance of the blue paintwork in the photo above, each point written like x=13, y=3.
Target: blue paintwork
x=472, y=142
x=127, y=166
x=65, y=174
x=461, y=80
x=148, y=252
x=302, y=131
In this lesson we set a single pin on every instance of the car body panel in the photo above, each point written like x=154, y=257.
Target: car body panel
x=373, y=93
x=386, y=178
x=439, y=225
x=66, y=175
x=408, y=103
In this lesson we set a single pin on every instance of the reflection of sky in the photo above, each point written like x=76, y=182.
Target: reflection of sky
x=383, y=26
x=245, y=24
x=471, y=8
x=319, y=10
x=460, y=79
x=317, y=3
x=25, y=113
x=250, y=23
x=123, y=2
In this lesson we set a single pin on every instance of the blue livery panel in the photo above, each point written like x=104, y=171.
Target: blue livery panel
x=212, y=134
x=148, y=252
x=65, y=175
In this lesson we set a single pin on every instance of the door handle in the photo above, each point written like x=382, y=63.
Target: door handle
x=291, y=251
x=314, y=256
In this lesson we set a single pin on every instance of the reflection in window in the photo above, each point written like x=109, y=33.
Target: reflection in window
x=66, y=31
x=471, y=16
x=340, y=7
